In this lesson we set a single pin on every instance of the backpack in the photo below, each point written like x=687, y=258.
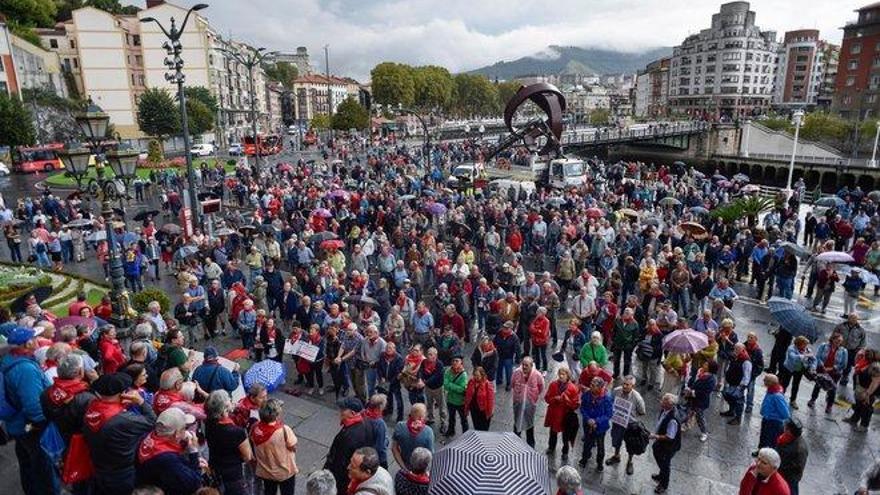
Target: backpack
x=645, y=350
x=7, y=408
x=637, y=438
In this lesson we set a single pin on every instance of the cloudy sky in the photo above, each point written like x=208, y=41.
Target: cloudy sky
x=467, y=34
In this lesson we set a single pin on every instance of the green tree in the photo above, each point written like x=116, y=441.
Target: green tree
x=433, y=87
x=29, y=12
x=777, y=124
x=393, y=84
x=821, y=126
x=506, y=90
x=320, y=122
x=474, y=95
x=283, y=73
x=16, y=127
x=199, y=117
x=350, y=115
x=157, y=114
x=600, y=116
x=203, y=95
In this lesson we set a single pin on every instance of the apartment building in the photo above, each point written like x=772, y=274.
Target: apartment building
x=801, y=70
x=857, y=86
x=652, y=90
x=25, y=65
x=311, y=95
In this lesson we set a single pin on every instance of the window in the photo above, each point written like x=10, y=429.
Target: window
x=801, y=58
x=875, y=82
x=73, y=44
x=872, y=98
x=132, y=80
x=800, y=68
x=138, y=60
x=75, y=63
x=127, y=39
x=3, y=87
x=853, y=64
x=136, y=40
x=855, y=48
x=53, y=43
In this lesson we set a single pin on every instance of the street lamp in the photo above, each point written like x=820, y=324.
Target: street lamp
x=175, y=64
x=253, y=59
x=427, y=138
x=93, y=124
x=798, y=120
x=873, y=162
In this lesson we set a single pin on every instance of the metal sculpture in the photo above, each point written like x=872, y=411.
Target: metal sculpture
x=550, y=100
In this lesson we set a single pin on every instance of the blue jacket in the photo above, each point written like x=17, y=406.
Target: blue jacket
x=702, y=391
x=175, y=474
x=230, y=277
x=840, y=358
x=599, y=410
x=795, y=361
x=508, y=348
x=25, y=383
x=774, y=407
x=423, y=324
x=213, y=376
x=390, y=370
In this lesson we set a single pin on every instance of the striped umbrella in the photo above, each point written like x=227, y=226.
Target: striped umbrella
x=793, y=318
x=269, y=372
x=489, y=463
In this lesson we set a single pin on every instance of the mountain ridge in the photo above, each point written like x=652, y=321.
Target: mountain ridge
x=556, y=59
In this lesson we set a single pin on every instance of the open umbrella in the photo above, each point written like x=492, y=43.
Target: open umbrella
x=489, y=463
x=19, y=305
x=144, y=214
x=799, y=251
x=89, y=323
x=332, y=244
x=629, y=212
x=407, y=197
x=718, y=177
x=224, y=231
x=835, y=257
x=247, y=228
x=693, y=229
x=339, y=194
x=555, y=202
x=322, y=236
x=830, y=202
x=874, y=195
x=270, y=373
x=793, y=317
x=741, y=178
x=171, y=228
x=80, y=223
x=185, y=252
x=699, y=210
x=595, y=213
x=361, y=300
x=697, y=174
x=97, y=236
x=436, y=209
x=685, y=341
x=866, y=276
x=322, y=212
x=669, y=201
x=725, y=183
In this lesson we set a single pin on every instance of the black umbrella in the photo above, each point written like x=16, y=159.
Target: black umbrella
x=119, y=211
x=322, y=236
x=171, y=228
x=246, y=228
x=144, y=214
x=19, y=305
x=361, y=300
x=459, y=229
x=80, y=223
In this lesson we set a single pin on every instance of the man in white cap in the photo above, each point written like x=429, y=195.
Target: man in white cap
x=168, y=457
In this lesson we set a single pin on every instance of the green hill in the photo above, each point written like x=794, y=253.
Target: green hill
x=573, y=60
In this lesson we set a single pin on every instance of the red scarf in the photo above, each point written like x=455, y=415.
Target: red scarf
x=154, y=445
x=63, y=390
x=314, y=338
x=262, y=432
x=352, y=487
x=599, y=394
x=373, y=413
x=415, y=427
x=775, y=389
x=165, y=399
x=421, y=479
x=99, y=412
x=49, y=364
x=415, y=361
x=429, y=366
x=357, y=418
x=487, y=347
x=785, y=438
x=829, y=360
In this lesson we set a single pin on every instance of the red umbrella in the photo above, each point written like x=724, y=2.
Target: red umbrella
x=595, y=213
x=332, y=244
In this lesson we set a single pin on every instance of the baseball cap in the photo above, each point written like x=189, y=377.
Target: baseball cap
x=172, y=420
x=20, y=335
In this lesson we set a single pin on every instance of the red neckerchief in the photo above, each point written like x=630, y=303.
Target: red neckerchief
x=829, y=360
x=751, y=346
x=314, y=339
x=352, y=487
x=401, y=301
x=49, y=364
x=415, y=427
x=429, y=366
x=784, y=439
x=63, y=390
x=261, y=432
x=357, y=418
x=154, y=445
x=415, y=361
x=165, y=399
x=225, y=421
x=373, y=413
x=487, y=347
x=421, y=479
x=775, y=389
x=99, y=412
x=248, y=404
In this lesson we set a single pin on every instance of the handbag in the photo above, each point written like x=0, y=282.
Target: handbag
x=78, y=466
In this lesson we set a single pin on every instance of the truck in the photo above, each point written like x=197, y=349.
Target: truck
x=557, y=173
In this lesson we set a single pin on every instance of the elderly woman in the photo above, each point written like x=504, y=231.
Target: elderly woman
x=569, y=481
x=415, y=481
x=321, y=482
x=675, y=368
x=274, y=446
x=594, y=351
x=563, y=399
x=228, y=444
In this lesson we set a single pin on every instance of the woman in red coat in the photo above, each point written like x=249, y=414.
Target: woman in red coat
x=112, y=356
x=763, y=477
x=563, y=399
x=515, y=240
x=539, y=331
x=479, y=399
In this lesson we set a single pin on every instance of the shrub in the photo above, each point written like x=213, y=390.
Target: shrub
x=142, y=299
x=154, y=152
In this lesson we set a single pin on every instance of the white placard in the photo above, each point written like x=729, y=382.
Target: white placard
x=622, y=412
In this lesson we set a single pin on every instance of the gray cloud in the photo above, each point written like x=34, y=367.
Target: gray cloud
x=466, y=34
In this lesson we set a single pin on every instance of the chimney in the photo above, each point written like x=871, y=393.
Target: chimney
x=154, y=3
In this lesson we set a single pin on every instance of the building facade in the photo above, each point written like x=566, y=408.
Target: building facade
x=726, y=70
x=652, y=90
x=299, y=58
x=27, y=66
x=857, y=86
x=62, y=42
x=801, y=69
x=310, y=95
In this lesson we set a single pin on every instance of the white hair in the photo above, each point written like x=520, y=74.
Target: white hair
x=770, y=456
x=568, y=479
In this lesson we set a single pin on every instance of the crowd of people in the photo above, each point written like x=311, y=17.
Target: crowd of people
x=422, y=303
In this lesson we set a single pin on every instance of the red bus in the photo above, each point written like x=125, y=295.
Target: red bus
x=310, y=138
x=268, y=145
x=40, y=158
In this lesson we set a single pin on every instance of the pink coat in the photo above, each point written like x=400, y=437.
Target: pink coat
x=531, y=387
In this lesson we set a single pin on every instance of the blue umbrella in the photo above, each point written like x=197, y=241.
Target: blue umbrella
x=489, y=463
x=793, y=318
x=830, y=202
x=269, y=372
x=699, y=210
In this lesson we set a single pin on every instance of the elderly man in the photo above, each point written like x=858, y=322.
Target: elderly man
x=367, y=476
x=66, y=401
x=569, y=481
x=416, y=479
x=763, y=477
x=321, y=482
x=853, y=341
x=626, y=391
x=154, y=316
x=527, y=384
x=355, y=434
x=371, y=351
x=737, y=378
x=667, y=441
x=410, y=435
x=168, y=458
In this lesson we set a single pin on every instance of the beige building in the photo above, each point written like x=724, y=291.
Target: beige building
x=62, y=41
x=25, y=65
x=311, y=95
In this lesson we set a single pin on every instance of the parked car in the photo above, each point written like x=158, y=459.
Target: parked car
x=235, y=149
x=204, y=149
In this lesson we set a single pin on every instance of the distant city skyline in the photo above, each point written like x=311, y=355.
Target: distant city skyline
x=464, y=35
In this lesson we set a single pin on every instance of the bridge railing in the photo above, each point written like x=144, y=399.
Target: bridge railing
x=611, y=135
x=818, y=160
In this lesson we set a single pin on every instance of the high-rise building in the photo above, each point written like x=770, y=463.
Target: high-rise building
x=829, y=77
x=858, y=75
x=726, y=70
x=652, y=89
x=300, y=59
x=801, y=69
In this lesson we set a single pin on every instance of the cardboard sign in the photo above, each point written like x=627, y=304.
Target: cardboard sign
x=622, y=412
x=302, y=349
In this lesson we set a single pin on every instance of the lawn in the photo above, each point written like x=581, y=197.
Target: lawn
x=60, y=179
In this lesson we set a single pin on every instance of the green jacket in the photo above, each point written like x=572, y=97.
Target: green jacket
x=626, y=335
x=455, y=386
x=591, y=353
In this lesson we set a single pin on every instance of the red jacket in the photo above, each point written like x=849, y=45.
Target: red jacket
x=111, y=355
x=539, y=330
x=455, y=321
x=515, y=241
x=560, y=400
x=775, y=485
x=480, y=395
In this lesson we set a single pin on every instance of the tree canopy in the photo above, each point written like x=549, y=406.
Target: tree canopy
x=393, y=84
x=157, y=113
x=16, y=127
x=283, y=73
x=350, y=115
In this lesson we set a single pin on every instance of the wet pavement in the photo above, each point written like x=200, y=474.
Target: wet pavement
x=837, y=454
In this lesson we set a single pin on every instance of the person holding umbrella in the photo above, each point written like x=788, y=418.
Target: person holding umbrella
x=831, y=360
x=798, y=359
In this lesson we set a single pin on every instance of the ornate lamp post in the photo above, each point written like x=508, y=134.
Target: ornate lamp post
x=798, y=118
x=123, y=163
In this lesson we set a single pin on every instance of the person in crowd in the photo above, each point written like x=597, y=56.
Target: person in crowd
x=168, y=457
x=507, y=345
x=274, y=448
x=596, y=411
x=737, y=378
x=321, y=482
x=774, y=412
x=667, y=441
x=373, y=415
x=528, y=385
x=798, y=359
x=389, y=369
x=455, y=381
x=355, y=433
x=479, y=399
x=211, y=375
x=431, y=376
x=594, y=351
x=698, y=394
x=366, y=476
x=411, y=434
x=793, y=452
x=228, y=444
x=831, y=361
x=625, y=392
x=416, y=478
x=568, y=481
x=563, y=400
x=763, y=477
